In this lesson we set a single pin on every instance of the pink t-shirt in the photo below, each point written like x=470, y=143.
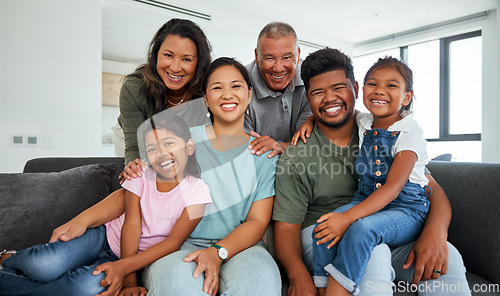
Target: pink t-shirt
x=160, y=210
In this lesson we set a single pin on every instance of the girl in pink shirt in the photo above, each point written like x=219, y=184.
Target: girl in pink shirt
x=162, y=207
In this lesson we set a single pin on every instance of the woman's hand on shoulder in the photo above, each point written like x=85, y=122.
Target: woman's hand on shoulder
x=209, y=263
x=133, y=170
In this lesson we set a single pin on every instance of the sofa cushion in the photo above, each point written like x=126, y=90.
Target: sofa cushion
x=33, y=204
x=59, y=164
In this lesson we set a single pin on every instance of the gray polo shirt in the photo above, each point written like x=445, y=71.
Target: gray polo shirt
x=276, y=114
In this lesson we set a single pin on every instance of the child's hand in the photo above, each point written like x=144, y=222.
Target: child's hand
x=115, y=274
x=304, y=131
x=208, y=263
x=68, y=231
x=133, y=291
x=262, y=144
x=133, y=170
x=332, y=227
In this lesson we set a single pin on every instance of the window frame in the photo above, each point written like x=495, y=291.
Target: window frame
x=444, y=88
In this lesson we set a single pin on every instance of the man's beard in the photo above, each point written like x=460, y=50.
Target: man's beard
x=335, y=124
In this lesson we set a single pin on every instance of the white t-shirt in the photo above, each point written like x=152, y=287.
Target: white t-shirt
x=410, y=138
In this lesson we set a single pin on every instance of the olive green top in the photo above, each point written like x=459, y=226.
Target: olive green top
x=314, y=178
x=135, y=109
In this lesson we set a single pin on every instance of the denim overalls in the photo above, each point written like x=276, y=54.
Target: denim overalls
x=399, y=223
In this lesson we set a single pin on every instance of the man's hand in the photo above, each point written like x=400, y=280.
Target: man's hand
x=262, y=144
x=68, y=231
x=302, y=285
x=429, y=253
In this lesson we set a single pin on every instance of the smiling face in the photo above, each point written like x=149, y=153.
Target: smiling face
x=277, y=59
x=177, y=61
x=384, y=93
x=168, y=154
x=332, y=98
x=227, y=95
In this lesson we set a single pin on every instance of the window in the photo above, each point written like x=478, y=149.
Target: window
x=465, y=90
x=448, y=91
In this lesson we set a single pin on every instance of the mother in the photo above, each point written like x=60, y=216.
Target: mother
x=178, y=58
x=224, y=253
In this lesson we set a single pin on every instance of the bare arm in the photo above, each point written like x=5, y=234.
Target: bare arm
x=335, y=224
x=106, y=210
x=131, y=233
x=116, y=271
x=288, y=246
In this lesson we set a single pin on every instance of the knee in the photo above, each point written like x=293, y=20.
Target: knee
x=251, y=270
x=456, y=267
x=45, y=268
x=361, y=232
x=170, y=275
x=362, y=227
x=82, y=282
x=379, y=273
x=379, y=264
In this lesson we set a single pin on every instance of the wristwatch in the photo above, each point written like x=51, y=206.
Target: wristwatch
x=222, y=252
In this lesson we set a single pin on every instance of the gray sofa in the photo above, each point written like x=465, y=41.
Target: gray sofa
x=53, y=190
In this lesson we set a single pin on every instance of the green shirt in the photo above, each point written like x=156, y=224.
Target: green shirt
x=134, y=110
x=314, y=178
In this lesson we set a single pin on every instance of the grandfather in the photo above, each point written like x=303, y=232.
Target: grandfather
x=279, y=105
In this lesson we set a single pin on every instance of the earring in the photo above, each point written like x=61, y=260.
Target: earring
x=248, y=112
x=208, y=114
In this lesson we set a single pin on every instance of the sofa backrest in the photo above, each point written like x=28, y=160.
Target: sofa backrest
x=474, y=193
x=472, y=188
x=58, y=164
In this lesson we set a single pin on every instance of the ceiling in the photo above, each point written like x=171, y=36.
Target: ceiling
x=129, y=25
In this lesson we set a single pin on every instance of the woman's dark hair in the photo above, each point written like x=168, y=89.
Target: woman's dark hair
x=178, y=127
x=325, y=60
x=154, y=87
x=220, y=62
x=402, y=68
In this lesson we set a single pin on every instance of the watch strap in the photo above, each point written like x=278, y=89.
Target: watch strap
x=218, y=248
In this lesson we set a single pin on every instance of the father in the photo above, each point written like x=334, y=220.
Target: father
x=317, y=177
x=279, y=106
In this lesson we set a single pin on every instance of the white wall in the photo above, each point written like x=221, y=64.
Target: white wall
x=50, y=78
x=490, y=27
x=111, y=113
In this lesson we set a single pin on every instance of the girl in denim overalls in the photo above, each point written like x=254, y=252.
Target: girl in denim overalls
x=391, y=203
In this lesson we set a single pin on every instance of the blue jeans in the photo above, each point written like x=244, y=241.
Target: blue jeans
x=58, y=268
x=346, y=261
x=250, y=272
x=380, y=274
